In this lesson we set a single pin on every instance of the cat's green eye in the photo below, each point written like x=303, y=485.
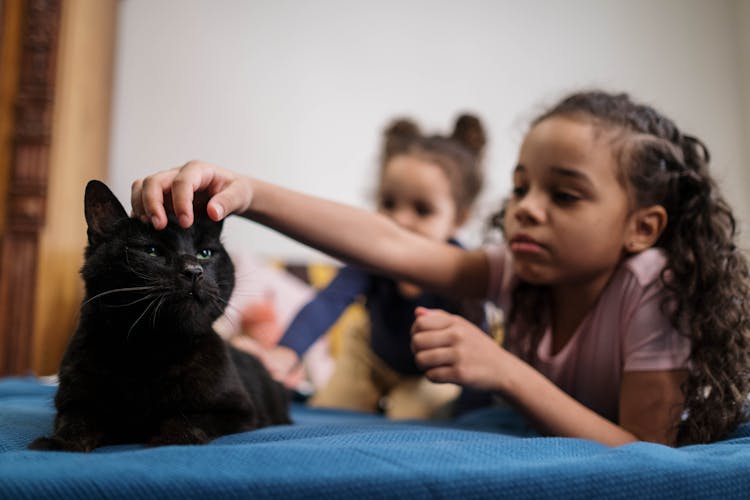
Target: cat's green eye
x=204, y=254
x=152, y=251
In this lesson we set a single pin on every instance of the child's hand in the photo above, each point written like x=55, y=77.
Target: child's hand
x=281, y=362
x=229, y=192
x=451, y=349
x=284, y=365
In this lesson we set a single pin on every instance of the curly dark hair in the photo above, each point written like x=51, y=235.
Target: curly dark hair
x=458, y=154
x=706, y=273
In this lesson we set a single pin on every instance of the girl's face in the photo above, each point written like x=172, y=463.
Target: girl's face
x=567, y=220
x=417, y=195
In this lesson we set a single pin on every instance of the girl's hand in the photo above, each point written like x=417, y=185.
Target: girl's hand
x=281, y=362
x=228, y=192
x=451, y=349
x=284, y=365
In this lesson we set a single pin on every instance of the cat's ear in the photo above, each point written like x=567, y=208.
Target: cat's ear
x=102, y=209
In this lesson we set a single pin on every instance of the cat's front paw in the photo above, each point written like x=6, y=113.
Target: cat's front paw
x=57, y=444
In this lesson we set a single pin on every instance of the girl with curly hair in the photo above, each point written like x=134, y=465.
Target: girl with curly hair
x=626, y=295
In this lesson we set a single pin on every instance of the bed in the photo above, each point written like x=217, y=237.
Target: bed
x=488, y=453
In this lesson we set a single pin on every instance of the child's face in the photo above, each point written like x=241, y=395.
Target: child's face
x=417, y=195
x=567, y=221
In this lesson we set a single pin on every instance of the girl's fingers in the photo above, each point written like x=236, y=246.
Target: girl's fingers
x=135, y=200
x=421, y=311
x=232, y=197
x=229, y=192
x=177, y=187
x=431, y=358
x=192, y=177
x=148, y=197
x=431, y=339
x=443, y=374
x=431, y=329
x=430, y=319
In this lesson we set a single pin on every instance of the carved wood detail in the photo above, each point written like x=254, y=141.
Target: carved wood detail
x=27, y=187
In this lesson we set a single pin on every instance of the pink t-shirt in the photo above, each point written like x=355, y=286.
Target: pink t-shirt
x=625, y=331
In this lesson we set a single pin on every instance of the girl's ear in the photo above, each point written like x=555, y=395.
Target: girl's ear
x=646, y=225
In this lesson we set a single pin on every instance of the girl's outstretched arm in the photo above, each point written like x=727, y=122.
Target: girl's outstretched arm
x=351, y=234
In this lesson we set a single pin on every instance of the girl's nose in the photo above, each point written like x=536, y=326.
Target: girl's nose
x=531, y=208
x=403, y=217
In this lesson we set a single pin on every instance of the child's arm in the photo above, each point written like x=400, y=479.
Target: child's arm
x=450, y=349
x=354, y=235
x=318, y=315
x=651, y=403
x=311, y=322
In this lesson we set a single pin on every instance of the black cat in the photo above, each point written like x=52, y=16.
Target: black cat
x=145, y=365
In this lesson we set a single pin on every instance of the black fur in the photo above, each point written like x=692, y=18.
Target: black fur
x=145, y=365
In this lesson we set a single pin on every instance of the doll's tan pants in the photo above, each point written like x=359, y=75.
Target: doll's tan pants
x=361, y=379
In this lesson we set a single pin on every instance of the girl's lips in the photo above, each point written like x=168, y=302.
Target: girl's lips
x=525, y=244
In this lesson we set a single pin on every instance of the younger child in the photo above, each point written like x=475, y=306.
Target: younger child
x=627, y=298
x=427, y=185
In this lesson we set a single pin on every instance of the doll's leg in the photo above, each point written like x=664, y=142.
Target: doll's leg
x=418, y=398
x=351, y=385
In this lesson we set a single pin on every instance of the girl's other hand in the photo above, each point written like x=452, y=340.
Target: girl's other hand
x=281, y=362
x=284, y=365
x=228, y=192
x=451, y=349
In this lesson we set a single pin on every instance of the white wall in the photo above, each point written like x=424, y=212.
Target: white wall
x=742, y=16
x=297, y=92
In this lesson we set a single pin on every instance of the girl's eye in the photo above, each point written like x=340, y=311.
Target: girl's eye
x=519, y=192
x=422, y=209
x=204, y=254
x=387, y=203
x=152, y=251
x=565, y=198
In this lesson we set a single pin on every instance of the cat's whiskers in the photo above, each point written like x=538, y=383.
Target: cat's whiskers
x=145, y=297
x=155, y=312
x=220, y=303
x=145, y=310
x=116, y=290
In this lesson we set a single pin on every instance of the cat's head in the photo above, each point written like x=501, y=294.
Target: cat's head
x=175, y=276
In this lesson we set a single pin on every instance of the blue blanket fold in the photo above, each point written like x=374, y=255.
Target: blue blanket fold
x=335, y=454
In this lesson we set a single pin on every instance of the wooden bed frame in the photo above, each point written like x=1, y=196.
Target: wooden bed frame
x=56, y=58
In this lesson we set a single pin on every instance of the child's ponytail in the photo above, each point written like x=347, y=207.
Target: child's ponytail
x=469, y=132
x=398, y=137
